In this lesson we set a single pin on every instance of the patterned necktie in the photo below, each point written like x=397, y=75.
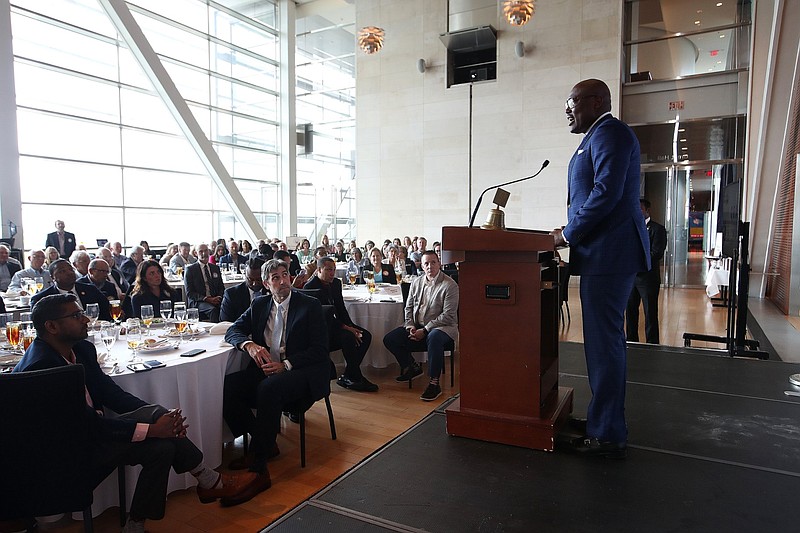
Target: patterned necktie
x=277, y=334
x=207, y=279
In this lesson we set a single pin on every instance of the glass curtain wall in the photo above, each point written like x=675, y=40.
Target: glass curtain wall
x=325, y=70
x=98, y=147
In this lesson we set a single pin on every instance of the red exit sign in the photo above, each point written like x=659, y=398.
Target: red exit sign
x=675, y=106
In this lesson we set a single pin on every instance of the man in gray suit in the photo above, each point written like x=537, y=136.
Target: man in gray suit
x=431, y=321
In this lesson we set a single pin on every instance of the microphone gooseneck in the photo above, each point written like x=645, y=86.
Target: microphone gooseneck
x=480, y=198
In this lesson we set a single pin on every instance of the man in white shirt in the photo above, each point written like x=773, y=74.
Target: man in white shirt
x=36, y=270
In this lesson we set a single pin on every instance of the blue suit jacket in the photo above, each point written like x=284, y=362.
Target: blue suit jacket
x=87, y=293
x=306, y=337
x=605, y=229
x=235, y=302
x=103, y=390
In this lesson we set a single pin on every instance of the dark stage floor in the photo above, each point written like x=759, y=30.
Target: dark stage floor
x=714, y=445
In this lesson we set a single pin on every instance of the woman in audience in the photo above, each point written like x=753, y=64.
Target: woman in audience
x=245, y=248
x=357, y=261
x=396, y=242
x=304, y=253
x=150, y=288
x=338, y=252
x=350, y=247
x=327, y=244
x=369, y=245
x=411, y=268
x=172, y=249
x=407, y=243
x=147, y=253
x=219, y=251
x=385, y=248
x=383, y=273
x=50, y=255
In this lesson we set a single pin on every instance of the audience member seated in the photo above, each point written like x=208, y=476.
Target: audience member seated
x=431, y=321
x=50, y=255
x=219, y=252
x=142, y=434
x=8, y=267
x=119, y=257
x=150, y=288
x=357, y=260
x=98, y=276
x=203, y=285
x=411, y=268
x=369, y=245
x=319, y=253
x=245, y=248
x=295, y=268
x=146, y=250
x=65, y=281
x=343, y=334
x=286, y=337
x=338, y=252
x=129, y=266
x=36, y=270
x=304, y=253
x=416, y=255
x=238, y=299
x=326, y=243
x=80, y=260
x=233, y=257
x=383, y=273
x=115, y=276
x=182, y=259
x=172, y=250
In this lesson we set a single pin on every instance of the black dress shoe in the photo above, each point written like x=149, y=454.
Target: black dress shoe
x=592, y=447
x=294, y=417
x=360, y=386
x=577, y=425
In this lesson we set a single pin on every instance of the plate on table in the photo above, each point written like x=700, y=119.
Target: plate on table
x=157, y=347
x=196, y=331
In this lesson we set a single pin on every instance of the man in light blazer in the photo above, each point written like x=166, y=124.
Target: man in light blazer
x=286, y=337
x=608, y=245
x=431, y=321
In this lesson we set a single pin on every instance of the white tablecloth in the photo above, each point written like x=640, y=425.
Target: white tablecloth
x=717, y=277
x=381, y=315
x=192, y=383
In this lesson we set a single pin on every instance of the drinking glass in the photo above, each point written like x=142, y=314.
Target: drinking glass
x=242, y=268
x=352, y=274
x=92, y=311
x=39, y=283
x=108, y=334
x=116, y=310
x=371, y=287
x=180, y=319
x=399, y=270
x=166, y=311
x=5, y=318
x=28, y=334
x=12, y=334
x=146, y=312
x=134, y=337
x=192, y=317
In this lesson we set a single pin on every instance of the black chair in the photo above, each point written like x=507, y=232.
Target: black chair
x=44, y=445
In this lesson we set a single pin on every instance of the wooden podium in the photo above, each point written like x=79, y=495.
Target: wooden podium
x=508, y=337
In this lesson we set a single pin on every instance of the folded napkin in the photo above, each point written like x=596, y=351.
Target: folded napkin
x=220, y=328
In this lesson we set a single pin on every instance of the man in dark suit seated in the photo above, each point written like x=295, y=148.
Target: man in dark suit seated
x=237, y=299
x=353, y=340
x=286, y=337
x=129, y=266
x=64, y=281
x=233, y=257
x=61, y=240
x=142, y=434
x=115, y=276
x=98, y=276
x=204, y=287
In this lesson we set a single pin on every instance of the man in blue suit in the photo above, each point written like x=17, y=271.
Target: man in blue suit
x=64, y=281
x=608, y=245
x=237, y=299
x=286, y=337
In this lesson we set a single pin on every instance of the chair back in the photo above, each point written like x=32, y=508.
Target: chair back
x=44, y=444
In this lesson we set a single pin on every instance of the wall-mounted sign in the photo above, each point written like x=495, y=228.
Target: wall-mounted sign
x=675, y=106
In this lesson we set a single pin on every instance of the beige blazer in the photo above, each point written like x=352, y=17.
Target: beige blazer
x=442, y=310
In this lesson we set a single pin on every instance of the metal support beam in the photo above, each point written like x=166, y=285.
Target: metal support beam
x=288, y=131
x=133, y=36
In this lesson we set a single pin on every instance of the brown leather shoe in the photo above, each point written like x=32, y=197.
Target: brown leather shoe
x=230, y=485
x=246, y=461
x=253, y=484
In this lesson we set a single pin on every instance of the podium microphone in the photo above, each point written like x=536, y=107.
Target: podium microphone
x=480, y=198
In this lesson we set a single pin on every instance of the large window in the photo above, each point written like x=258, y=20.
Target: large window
x=98, y=147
